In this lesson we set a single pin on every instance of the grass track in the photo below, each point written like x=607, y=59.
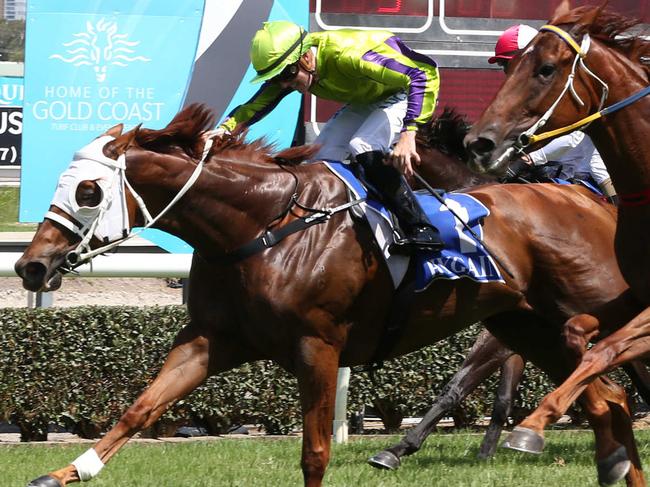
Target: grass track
x=446, y=460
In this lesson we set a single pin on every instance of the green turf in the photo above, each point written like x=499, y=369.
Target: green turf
x=446, y=460
x=9, y=212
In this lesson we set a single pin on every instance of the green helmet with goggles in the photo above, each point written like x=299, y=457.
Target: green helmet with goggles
x=275, y=46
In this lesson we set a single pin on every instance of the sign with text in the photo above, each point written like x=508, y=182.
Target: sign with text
x=91, y=64
x=11, y=120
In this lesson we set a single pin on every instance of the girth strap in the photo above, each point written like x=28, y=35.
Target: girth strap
x=393, y=327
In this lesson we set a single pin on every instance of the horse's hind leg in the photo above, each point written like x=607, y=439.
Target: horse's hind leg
x=486, y=356
x=511, y=373
x=613, y=462
x=192, y=358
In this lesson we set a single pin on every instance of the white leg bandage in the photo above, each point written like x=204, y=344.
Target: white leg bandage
x=88, y=465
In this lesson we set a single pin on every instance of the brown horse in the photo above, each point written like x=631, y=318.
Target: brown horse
x=586, y=41
x=316, y=300
x=537, y=78
x=443, y=155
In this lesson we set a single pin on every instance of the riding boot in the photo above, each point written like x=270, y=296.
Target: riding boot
x=393, y=191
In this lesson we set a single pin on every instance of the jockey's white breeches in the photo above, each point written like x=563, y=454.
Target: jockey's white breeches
x=356, y=129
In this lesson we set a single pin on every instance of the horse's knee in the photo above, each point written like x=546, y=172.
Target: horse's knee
x=577, y=332
x=136, y=417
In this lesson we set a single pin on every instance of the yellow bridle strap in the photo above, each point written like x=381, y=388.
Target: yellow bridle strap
x=563, y=130
x=566, y=37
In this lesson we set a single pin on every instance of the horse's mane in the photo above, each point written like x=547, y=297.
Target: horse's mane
x=445, y=133
x=186, y=131
x=608, y=28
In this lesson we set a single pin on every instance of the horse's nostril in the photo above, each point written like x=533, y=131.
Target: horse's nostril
x=33, y=273
x=481, y=145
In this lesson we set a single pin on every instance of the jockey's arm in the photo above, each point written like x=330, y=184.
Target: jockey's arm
x=255, y=109
x=420, y=80
x=557, y=148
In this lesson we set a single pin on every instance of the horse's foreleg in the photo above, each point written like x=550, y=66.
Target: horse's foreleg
x=604, y=402
x=629, y=342
x=316, y=369
x=486, y=356
x=511, y=372
x=185, y=368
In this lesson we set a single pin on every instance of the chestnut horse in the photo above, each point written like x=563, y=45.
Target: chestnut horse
x=443, y=155
x=611, y=70
x=317, y=299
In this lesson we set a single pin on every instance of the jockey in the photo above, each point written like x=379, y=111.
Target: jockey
x=575, y=152
x=388, y=90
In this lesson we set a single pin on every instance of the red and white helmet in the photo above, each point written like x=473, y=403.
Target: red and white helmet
x=513, y=40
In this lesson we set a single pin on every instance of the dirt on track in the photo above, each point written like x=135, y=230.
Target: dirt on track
x=107, y=291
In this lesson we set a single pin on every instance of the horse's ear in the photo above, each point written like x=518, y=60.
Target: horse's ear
x=119, y=146
x=583, y=23
x=115, y=131
x=562, y=9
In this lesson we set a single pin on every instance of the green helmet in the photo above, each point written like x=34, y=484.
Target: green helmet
x=276, y=45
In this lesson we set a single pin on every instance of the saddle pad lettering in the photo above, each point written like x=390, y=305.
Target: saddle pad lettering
x=463, y=255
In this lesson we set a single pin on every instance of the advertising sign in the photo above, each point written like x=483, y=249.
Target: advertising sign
x=91, y=64
x=11, y=120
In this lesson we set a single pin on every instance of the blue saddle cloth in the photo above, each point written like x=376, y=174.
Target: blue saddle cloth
x=463, y=255
x=582, y=182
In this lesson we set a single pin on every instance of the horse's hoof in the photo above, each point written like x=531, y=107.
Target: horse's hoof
x=614, y=467
x=45, y=481
x=385, y=460
x=524, y=439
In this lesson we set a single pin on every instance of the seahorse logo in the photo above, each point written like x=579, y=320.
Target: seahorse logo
x=100, y=47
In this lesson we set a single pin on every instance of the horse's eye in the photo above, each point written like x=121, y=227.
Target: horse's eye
x=546, y=70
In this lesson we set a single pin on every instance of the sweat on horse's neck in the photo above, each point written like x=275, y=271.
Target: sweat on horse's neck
x=620, y=139
x=230, y=203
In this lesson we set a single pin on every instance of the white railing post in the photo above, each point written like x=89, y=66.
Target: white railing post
x=39, y=299
x=341, y=406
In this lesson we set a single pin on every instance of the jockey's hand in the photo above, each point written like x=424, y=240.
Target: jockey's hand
x=217, y=133
x=527, y=159
x=404, y=154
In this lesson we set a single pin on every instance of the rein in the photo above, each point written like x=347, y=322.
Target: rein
x=83, y=253
x=587, y=120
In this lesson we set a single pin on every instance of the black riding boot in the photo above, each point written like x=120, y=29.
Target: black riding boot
x=393, y=191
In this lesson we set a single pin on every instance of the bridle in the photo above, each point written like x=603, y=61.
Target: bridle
x=528, y=137
x=82, y=252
